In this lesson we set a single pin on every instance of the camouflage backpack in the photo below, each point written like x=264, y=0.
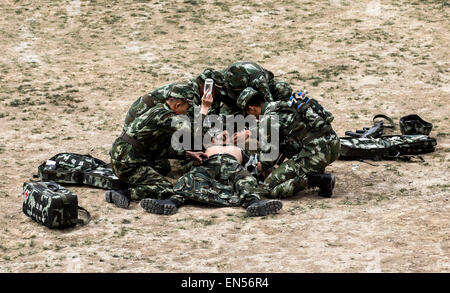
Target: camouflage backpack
x=70, y=168
x=385, y=147
x=52, y=205
x=310, y=111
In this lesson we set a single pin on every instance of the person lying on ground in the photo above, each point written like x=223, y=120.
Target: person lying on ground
x=221, y=180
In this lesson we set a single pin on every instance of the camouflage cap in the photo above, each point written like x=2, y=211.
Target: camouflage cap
x=246, y=95
x=182, y=91
x=236, y=78
x=215, y=75
x=413, y=124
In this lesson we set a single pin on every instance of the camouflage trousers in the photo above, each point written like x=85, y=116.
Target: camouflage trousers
x=221, y=181
x=291, y=176
x=144, y=179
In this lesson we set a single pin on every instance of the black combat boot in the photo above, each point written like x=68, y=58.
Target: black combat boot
x=258, y=208
x=159, y=206
x=325, y=182
x=120, y=198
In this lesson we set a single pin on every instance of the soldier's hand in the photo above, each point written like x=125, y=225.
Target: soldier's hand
x=198, y=157
x=241, y=136
x=207, y=101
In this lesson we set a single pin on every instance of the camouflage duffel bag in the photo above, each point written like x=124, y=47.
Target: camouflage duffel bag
x=70, y=168
x=52, y=205
x=103, y=177
x=385, y=147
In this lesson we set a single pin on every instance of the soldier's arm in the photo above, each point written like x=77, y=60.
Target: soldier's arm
x=267, y=127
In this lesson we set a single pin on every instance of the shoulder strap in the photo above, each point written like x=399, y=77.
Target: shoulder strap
x=84, y=222
x=389, y=119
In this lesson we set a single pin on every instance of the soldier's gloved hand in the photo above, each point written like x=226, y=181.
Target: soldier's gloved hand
x=198, y=157
x=207, y=101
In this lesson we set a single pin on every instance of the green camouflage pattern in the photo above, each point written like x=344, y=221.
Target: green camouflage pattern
x=70, y=168
x=153, y=130
x=307, y=148
x=221, y=181
x=60, y=175
x=386, y=147
x=103, y=177
x=280, y=90
x=241, y=75
x=413, y=124
x=54, y=209
x=77, y=162
x=246, y=95
x=180, y=90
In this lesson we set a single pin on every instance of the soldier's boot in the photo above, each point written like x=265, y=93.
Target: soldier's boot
x=324, y=181
x=159, y=206
x=120, y=198
x=264, y=207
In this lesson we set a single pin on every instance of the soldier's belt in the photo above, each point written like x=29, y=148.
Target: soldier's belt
x=136, y=144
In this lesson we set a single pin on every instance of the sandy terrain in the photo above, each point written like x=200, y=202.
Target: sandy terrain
x=70, y=70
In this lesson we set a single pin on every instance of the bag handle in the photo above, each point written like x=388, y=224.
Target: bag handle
x=84, y=222
x=389, y=119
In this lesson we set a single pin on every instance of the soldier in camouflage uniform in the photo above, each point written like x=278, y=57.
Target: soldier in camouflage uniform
x=241, y=77
x=306, y=139
x=144, y=141
x=192, y=90
x=221, y=180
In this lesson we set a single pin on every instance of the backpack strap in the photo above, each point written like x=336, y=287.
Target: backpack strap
x=84, y=222
x=389, y=119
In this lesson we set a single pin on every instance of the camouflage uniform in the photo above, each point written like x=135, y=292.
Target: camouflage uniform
x=306, y=139
x=221, y=180
x=159, y=97
x=153, y=130
x=240, y=77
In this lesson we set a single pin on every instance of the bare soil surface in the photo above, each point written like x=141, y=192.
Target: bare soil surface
x=69, y=70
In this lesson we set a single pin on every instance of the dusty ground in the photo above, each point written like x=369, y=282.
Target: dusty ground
x=70, y=70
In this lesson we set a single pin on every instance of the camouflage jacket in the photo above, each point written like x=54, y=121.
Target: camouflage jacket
x=160, y=95
x=295, y=130
x=241, y=75
x=154, y=130
x=145, y=102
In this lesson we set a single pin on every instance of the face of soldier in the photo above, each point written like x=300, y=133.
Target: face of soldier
x=180, y=107
x=254, y=110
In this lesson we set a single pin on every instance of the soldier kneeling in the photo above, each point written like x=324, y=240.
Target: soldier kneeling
x=306, y=139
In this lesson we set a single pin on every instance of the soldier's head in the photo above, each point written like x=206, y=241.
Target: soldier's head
x=180, y=98
x=251, y=101
x=236, y=80
x=215, y=75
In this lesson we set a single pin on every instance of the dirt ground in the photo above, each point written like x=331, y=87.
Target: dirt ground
x=69, y=70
